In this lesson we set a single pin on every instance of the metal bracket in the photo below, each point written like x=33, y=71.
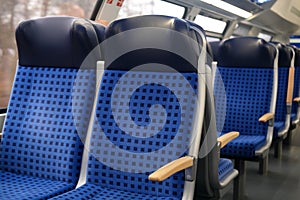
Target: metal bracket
x=190, y=173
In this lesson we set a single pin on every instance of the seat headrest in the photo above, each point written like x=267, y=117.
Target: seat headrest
x=152, y=39
x=209, y=57
x=100, y=30
x=297, y=56
x=246, y=52
x=215, y=48
x=56, y=41
x=285, y=54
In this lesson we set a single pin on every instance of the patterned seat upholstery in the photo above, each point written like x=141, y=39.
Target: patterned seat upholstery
x=294, y=115
x=244, y=106
x=214, y=174
x=42, y=151
x=244, y=91
x=278, y=127
x=284, y=102
x=144, y=113
x=296, y=92
x=284, y=63
x=225, y=168
x=244, y=145
x=91, y=191
x=17, y=186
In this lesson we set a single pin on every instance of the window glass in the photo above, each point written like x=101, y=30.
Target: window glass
x=212, y=39
x=147, y=7
x=259, y=2
x=295, y=40
x=12, y=12
x=210, y=24
x=265, y=36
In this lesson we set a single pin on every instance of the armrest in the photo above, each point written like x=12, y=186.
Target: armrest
x=289, y=95
x=226, y=138
x=266, y=117
x=171, y=168
x=297, y=99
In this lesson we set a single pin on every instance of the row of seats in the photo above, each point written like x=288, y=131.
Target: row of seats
x=149, y=121
x=258, y=78
x=139, y=126
x=287, y=78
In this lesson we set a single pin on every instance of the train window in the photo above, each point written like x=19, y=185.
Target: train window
x=145, y=7
x=260, y=1
x=265, y=36
x=295, y=40
x=11, y=13
x=210, y=24
x=212, y=39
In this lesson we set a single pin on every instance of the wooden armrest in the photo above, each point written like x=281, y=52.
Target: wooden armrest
x=1, y=135
x=171, y=168
x=226, y=138
x=289, y=95
x=266, y=117
x=297, y=99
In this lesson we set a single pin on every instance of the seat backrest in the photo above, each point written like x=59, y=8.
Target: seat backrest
x=215, y=49
x=146, y=106
x=246, y=66
x=41, y=135
x=284, y=63
x=296, y=92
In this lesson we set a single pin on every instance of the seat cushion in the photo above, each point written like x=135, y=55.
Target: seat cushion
x=294, y=120
x=225, y=167
x=293, y=116
x=244, y=146
x=17, y=187
x=278, y=126
x=91, y=191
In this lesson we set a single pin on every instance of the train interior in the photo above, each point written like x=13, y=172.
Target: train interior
x=152, y=99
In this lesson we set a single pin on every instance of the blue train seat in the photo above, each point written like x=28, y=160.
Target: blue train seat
x=215, y=49
x=295, y=115
x=245, y=94
x=284, y=103
x=42, y=151
x=295, y=111
x=214, y=174
x=145, y=113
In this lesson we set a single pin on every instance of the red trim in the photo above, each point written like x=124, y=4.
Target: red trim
x=120, y=3
x=109, y=1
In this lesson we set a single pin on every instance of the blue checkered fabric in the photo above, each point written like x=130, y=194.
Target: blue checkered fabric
x=225, y=168
x=138, y=115
x=293, y=117
x=179, y=118
x=244, y=146
x=41, y=145
x=248, y=97
x=278, y=126
x=93, y=192
x=280, y=113
x=16, y=186
x=296, y=91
